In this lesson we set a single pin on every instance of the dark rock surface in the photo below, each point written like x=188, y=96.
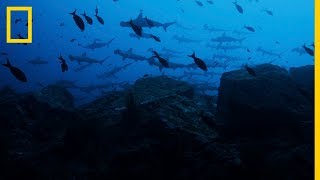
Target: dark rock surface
x=269, y=102
x=304, y=77
x=269, y=115
x=158, y=129
x=56, y=96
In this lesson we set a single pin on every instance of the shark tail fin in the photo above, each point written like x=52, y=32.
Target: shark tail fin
x=74, y=12
x=166, y=25
x=101, y=62
x=192, y=55
x=242, y=39
x=108, y=44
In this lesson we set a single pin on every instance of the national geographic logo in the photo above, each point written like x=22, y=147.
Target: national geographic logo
x=27, y=9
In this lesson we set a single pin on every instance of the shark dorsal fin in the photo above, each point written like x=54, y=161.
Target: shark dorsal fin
x=140, y=16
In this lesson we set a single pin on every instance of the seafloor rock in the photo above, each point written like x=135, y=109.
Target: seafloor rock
x=148, y=132
x=269, y=102
x=270, y=117
x=158, y=129
x=31, y=136
x=304, y=77
x=56, y=96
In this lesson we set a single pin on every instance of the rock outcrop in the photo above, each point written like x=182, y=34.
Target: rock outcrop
x=160, y=129
x=269, y=102
x=304, y=77
x=270, y=116
x=56, y=96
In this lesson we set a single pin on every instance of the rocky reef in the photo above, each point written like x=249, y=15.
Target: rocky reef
x=259, y=127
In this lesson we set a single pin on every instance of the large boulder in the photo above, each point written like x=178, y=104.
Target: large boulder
x=270, y=117
x=304, y=77
x=56, y=96
x=31, y=136
x=155, y=130
x=269, y=102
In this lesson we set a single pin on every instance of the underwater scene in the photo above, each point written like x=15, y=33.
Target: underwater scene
x=157, y=89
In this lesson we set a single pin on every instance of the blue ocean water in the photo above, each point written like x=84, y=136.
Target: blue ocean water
x=290, y=26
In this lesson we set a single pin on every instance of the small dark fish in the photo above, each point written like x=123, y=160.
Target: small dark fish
x=146, y=75
x=73, y=40
x=4, y=54
x=77, y=19
x=248, y=50
x=135, y=28
x=200, y=63
x=209, y=2
x=61, y=24
x=64, y=66
x=249, y=28
x=18, y=74
x=18, y=20
x=163, y=62
x=251, y=71
x=308, y=50
x=101, y=21
x=277, y=42
x=156, y=38
x=239, y=8
x=88, y=19
x=269, y=12
x=199, y=3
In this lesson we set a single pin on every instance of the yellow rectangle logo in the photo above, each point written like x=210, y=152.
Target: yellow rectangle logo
x=11, y=9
